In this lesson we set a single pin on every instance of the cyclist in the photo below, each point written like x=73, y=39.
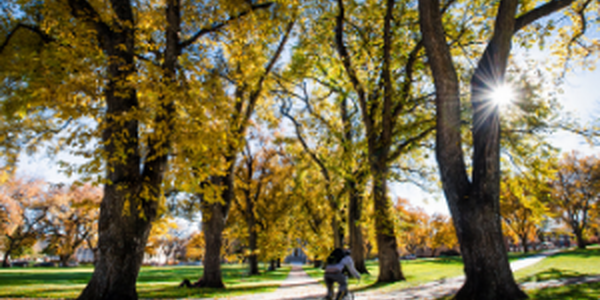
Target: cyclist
x=337, y=262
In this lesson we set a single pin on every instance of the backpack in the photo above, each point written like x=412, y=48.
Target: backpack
x=336, y=256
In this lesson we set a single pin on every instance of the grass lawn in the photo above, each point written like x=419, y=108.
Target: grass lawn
x=574, y=263
x=417, y=272
x=153, y=282
x=565, y=264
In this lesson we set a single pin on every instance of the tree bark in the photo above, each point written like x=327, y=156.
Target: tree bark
x=252, y=238
x=356, y=236
x=131, y=195
x=122, y=239
x=486, y=262
x=213, y=224
x=272, y=265
x=389, y=260
x=64, y=260
x=214, y=216
x=474, y=205
x=122, y=232
x=581, y=243
x=525, y=244
x=5, y=263
x=338, y=237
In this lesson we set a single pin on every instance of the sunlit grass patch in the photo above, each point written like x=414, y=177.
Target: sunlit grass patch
x=153, y=282
x=587, y=291
x=416, y=272
x=566, y=264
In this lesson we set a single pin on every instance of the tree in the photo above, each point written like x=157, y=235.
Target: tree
x=238, y=85
x=162, y=237
x=27, y=202
x=129, y=78
x=263, y=202
x=474, y=202
x=310, y=211
x=195, y=246
x=412, y=226
x=323, y=157
x=254, y=175
x=393, y=106
x=418, y=230
x=521, y=209
x=331, y=125
x=71, y=219
x=576, y=192
x=442, y=233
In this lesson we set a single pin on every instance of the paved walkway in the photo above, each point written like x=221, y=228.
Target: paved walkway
x=300, y=286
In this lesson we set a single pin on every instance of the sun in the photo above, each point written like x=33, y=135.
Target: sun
x=503, y=94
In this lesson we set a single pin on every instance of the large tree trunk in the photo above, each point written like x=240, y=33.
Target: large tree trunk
x=525, y=244
x=122, y=230
x=477, y=214
x=131, y=194
x=272, y=265
x=121, y=246
x=487, y=270
x=389, y=260
x=581, y=243
x=214, y=216
x=474, y=205
x=213, y=224
x=5, y=263
x=64, y=260
x=338, y=236
x=356, y=236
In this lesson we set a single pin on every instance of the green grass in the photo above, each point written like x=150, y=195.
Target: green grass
x=569, y=264
x=153, y=282
x=416, y=272
x=573, y=263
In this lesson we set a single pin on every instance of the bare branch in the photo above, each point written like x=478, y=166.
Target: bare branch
x=402, y=147
x=218, y=26
x=540, y=12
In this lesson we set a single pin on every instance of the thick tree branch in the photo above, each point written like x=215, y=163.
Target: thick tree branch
x=348, y=66
x=408, y=77
x=540, y=12
x=386, y=75
x=84, y=11
x=218, y=26
x=254, y=95
x=35, y=29
x=312, y=154
x=402, y=147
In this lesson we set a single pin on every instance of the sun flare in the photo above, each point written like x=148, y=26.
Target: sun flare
x=503, y=95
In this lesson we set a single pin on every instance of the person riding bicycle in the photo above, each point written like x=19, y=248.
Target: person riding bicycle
x=338, y=262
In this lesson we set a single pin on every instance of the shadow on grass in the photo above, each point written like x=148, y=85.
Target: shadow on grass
x=586, y=291
x=550, y=275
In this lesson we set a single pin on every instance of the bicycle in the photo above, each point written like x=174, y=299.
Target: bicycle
x=350, y=294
